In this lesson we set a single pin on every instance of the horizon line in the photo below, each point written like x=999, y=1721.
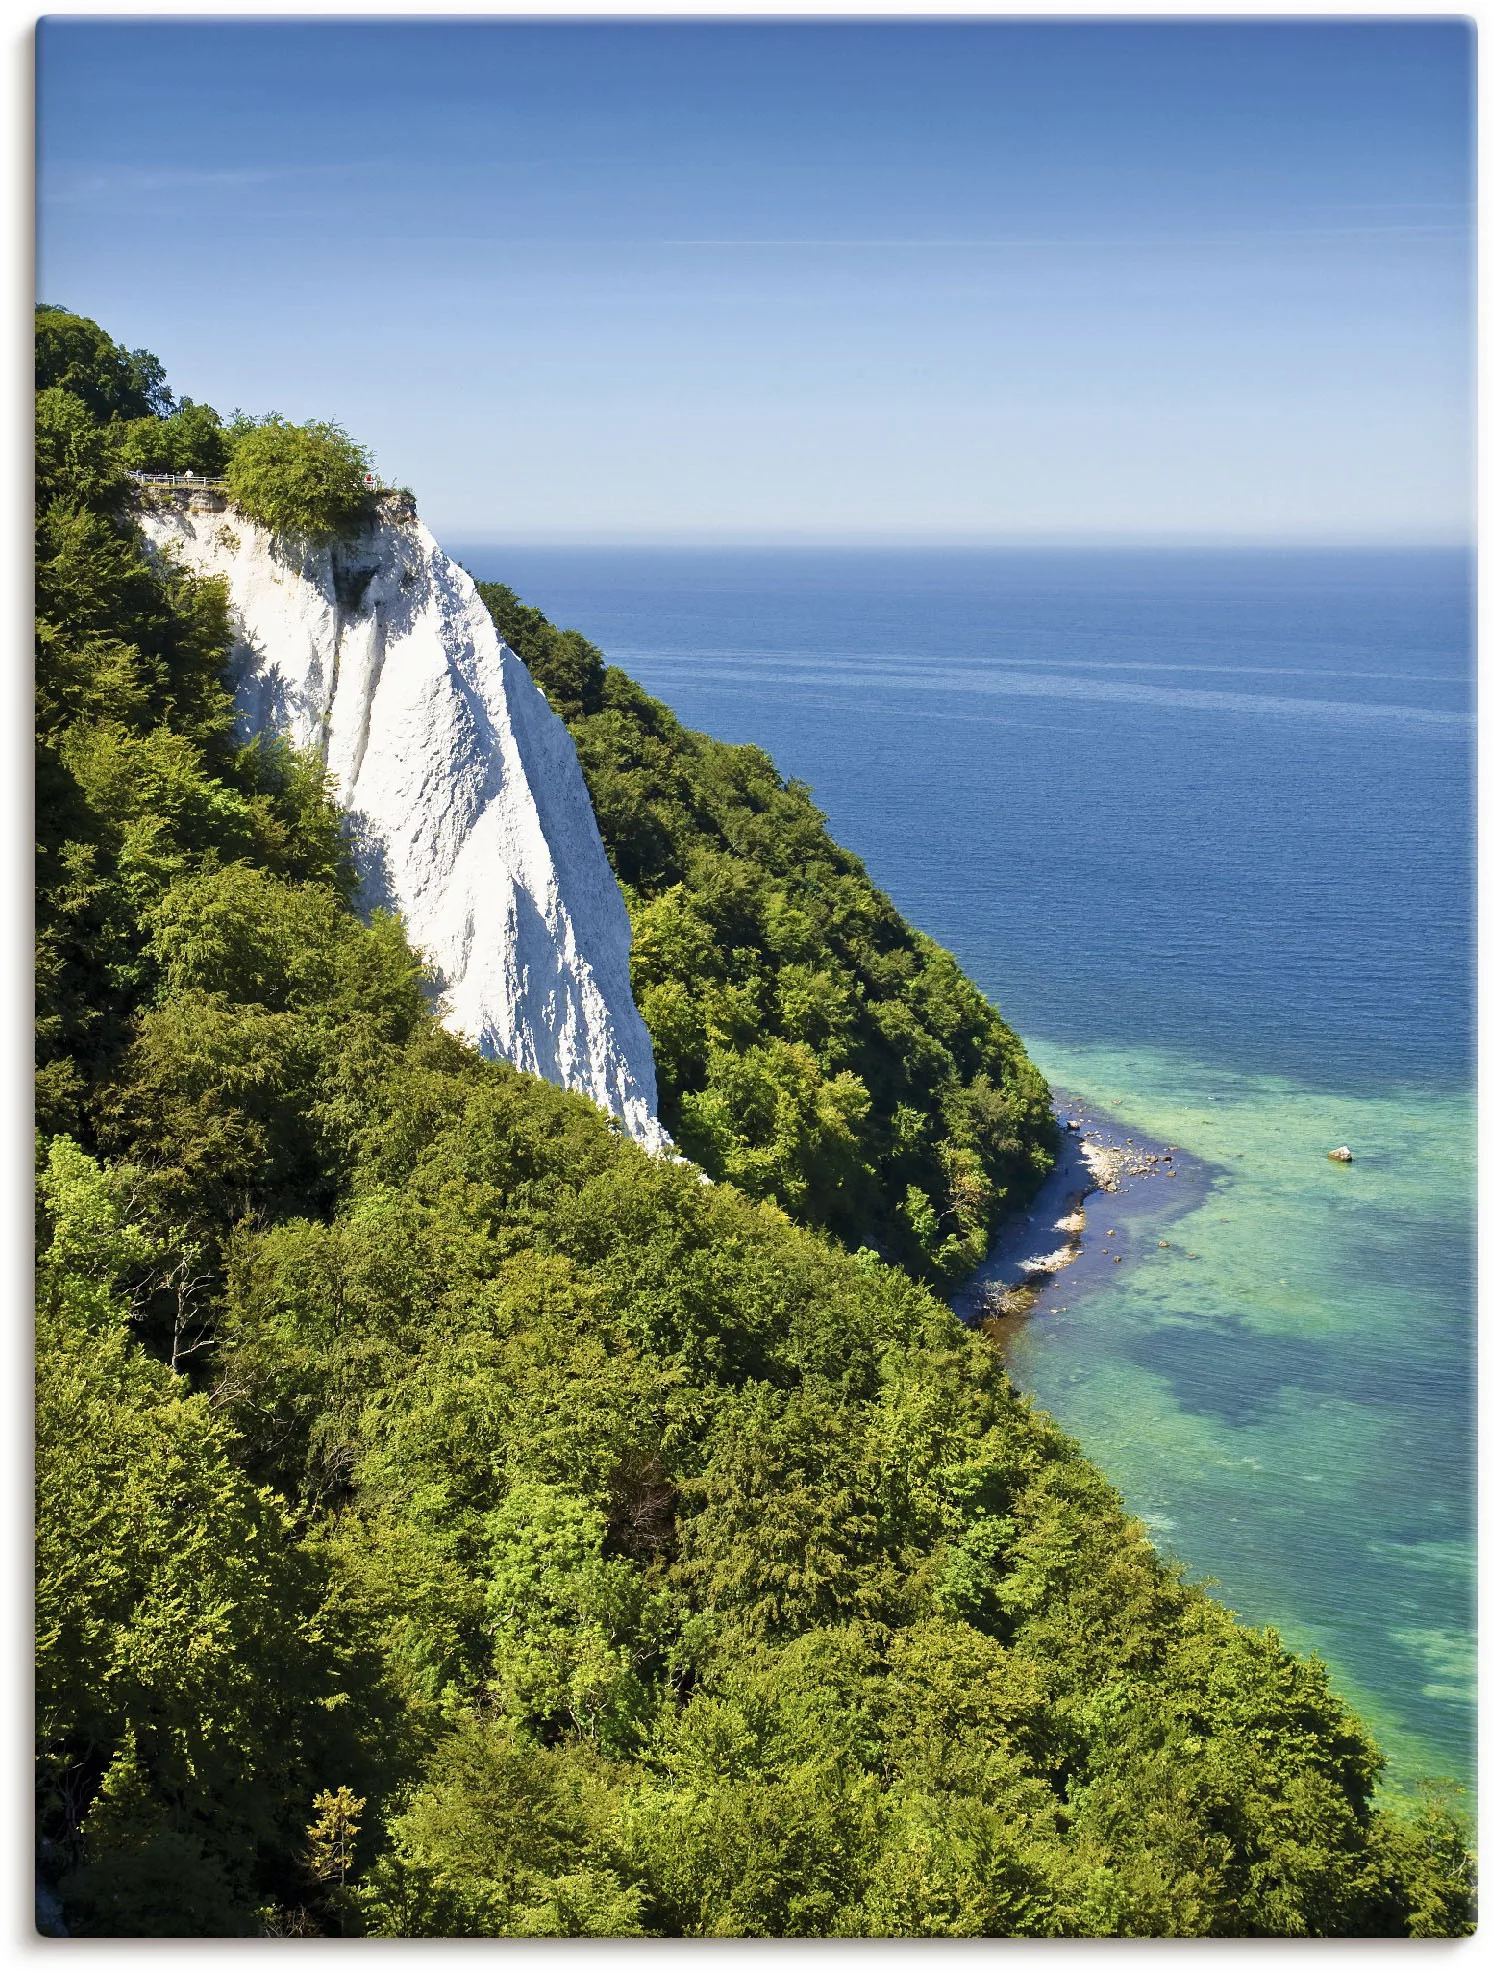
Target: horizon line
x=1370, y=543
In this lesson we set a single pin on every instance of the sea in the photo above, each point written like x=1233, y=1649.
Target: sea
x=1201, y=824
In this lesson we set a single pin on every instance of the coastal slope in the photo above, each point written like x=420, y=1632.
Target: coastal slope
x=813, y=1048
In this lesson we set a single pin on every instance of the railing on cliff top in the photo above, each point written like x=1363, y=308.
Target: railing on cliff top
x=371, y=481
x=179, y=479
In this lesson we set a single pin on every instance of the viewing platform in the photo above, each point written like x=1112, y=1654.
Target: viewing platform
x=193, y=480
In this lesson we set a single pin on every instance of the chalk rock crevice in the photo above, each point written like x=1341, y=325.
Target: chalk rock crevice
x=466, y=804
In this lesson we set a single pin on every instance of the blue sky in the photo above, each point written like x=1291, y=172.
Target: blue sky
x=909, y=280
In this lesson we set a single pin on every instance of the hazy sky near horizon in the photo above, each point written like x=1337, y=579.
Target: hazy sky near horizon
x=912, y=280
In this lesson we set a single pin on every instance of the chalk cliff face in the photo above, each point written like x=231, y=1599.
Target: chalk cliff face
x=468, y=809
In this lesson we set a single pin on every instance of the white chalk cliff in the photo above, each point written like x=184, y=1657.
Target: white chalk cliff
x=469, y=814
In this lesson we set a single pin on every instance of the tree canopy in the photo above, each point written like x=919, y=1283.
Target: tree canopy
x=74, y=354
x=299, y=478
x=192, y=438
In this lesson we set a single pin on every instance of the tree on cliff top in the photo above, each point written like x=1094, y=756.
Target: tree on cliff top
x=299, y=478
x=73, y=353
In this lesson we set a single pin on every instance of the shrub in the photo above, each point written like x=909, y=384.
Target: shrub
x=300, y=478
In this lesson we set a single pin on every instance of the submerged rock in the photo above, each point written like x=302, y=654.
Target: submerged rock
x=468, y=811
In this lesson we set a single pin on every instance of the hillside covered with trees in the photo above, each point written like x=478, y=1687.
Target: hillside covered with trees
x=453, y=1521
x=812, y=1047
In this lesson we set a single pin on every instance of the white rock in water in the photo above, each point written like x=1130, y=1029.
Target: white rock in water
x=468, y=810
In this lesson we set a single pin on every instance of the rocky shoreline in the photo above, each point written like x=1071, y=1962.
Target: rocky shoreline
x=1098, y=1157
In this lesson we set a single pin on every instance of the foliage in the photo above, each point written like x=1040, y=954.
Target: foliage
x=138, y=776
x=331, y=1839
x=811, y=1047
x=74, y=354
x=191, y=439
x=182, y=1689
x=303, y=479
x=500, y=1840
x=529, y=1538
x=575, y=1631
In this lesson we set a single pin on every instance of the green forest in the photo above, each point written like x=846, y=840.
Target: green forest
x=453, y=1521
x=812, y=1048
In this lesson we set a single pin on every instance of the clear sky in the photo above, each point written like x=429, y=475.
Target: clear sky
x=904, y=280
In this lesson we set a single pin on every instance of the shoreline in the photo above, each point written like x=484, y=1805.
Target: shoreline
x=1062, y=1240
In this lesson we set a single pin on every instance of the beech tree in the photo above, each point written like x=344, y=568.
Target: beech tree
x=306, y=479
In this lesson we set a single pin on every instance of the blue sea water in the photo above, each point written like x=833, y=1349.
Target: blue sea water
x=1201, y=824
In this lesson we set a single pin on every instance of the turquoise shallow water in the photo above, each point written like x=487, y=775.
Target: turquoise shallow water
x=1201, y=824
x=1282, y=1391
